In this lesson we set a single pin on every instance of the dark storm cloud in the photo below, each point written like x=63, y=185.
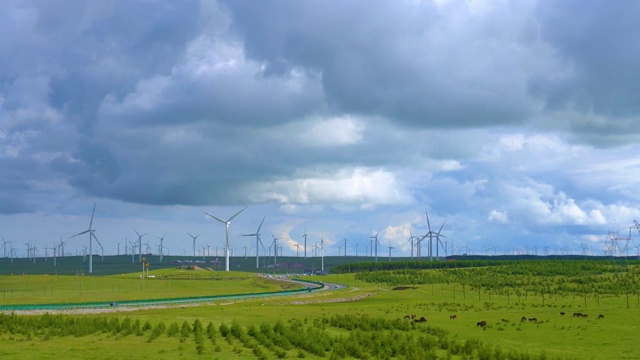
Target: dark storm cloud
x=598, y=40
x=405, y=61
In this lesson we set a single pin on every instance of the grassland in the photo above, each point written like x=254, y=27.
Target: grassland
x=365, y=320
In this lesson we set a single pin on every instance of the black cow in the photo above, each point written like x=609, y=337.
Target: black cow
x=453, y=317
x=533, y=320
x=600, y=316
x=482, y=323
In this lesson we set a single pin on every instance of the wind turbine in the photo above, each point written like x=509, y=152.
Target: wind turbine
x=431, y=234
x=194, y=242
x=4, y=246
x=227, y=223
x=375, y=237
x=92, y=236
x=305, y=241
x=139, y=245
x=132, y=245
x=28, y=250
x=258, y=241
x=275, y=249
x=390, y=248
x=61, y=245
x=297, y=249
x=322, y=253
x=161, y=241
x=345, y=247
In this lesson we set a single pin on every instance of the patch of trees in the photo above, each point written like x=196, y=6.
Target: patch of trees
x=540, y=277
x=333, y=337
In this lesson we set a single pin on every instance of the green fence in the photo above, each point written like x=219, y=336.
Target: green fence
x=313, y=286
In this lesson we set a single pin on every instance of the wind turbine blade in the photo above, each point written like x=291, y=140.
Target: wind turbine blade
x=84, y=232
x=92, y=212
x=137, y=232
x=236, y=214
x=428, y=223
x=442, y=226
x=222, y=221
x=94, y=236
x=258, y=231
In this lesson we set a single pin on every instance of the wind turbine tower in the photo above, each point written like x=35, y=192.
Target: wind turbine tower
x=375, y=239
x=227, y=223
x=161, y=244
x=275, y=249
x=305, y=241
x=194, y=242
x=139, y=245
x=345, y=247
x=258, y=242
x=92, y=236
x=4, y=247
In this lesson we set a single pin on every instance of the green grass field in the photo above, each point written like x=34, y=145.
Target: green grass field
x=365, y=320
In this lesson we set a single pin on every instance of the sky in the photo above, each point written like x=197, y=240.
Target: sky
x=515, y=122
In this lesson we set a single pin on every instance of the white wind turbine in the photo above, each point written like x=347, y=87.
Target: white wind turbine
x=375, y=239
x=62, y=246
x=297, y=245
x=390, y=248
x=431, y=234
x=194, y=242
x=132, y=246
x=92, y=236
x=258, y=242
x=161, y=244
x=139, y=245
x=322, y=253
x=4, y=247
x=226, y=223
x=275, y=249
x=305, y=241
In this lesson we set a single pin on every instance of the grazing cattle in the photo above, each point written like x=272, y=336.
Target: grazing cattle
x=585, y=315
x=577, y=314
x=505, y=320
x=523, y=319
x=422, y=320
x=407, y=317
x=533, y=320
x=413, y=316
x=453, y=317
x=562, y=313
x=600, y=316
x=482, y=323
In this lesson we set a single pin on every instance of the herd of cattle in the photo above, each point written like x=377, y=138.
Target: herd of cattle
x=483, y=323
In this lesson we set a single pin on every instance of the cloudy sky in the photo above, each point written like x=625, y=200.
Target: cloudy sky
x=516, y=122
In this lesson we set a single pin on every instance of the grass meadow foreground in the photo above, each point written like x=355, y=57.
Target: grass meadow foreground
x=470, y=311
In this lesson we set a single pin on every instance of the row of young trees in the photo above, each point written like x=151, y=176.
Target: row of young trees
x=559, y=277
x=361, y=337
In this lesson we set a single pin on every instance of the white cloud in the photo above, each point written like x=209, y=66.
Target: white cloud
x=362, y=187
x=501, y=217
x=333, y=132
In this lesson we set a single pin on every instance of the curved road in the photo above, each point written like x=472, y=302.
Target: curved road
x=308, y=286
